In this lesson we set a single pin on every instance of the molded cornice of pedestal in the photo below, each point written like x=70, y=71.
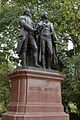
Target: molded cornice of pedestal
x=36, y=74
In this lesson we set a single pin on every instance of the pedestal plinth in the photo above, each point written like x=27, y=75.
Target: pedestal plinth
x=35, y=95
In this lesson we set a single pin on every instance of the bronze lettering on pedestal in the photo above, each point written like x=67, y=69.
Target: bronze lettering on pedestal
x=35, y=88
x=44, y=89
x=52, y=89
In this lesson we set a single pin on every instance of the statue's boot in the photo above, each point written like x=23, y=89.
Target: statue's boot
x=35, y=58
x=43, y=61
x=49, y=62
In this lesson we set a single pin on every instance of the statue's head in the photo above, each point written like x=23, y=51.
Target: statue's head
x=44, y=15
x=27, y=12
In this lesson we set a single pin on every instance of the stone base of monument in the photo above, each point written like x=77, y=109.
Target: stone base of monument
x=35, y=95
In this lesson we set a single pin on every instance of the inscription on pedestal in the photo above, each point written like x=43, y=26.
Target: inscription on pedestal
x=44, y=89
x=35, y=88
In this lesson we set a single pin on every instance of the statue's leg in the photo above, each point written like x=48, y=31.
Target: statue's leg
x=43, y=52
x=23, y=53
x=34, y=49
x=23, y=59
x=50, y=53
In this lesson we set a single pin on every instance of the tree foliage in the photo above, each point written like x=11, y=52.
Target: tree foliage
x=5, y=69
x=65, y=14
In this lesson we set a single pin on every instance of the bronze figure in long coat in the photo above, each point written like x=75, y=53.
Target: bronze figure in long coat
x=26, y=39
x=46, y=44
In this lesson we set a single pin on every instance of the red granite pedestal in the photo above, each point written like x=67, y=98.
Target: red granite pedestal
x=35, y=95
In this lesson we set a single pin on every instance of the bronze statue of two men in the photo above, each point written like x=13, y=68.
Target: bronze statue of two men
x=40, y=52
